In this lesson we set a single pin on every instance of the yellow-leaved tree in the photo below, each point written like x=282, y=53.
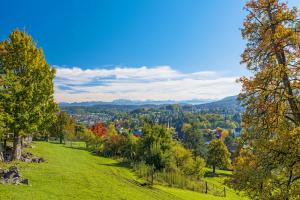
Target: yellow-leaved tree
x=268, y=165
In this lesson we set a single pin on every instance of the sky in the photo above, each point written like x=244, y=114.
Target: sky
x=135, y=49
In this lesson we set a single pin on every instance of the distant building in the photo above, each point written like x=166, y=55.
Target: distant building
x=137, y=133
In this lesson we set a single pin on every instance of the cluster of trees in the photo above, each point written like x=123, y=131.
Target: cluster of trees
x=268, y=164
x=26, y=89
x=156, y=150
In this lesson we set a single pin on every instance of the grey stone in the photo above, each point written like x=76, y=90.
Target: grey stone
x=12, y=176
x=25, y=181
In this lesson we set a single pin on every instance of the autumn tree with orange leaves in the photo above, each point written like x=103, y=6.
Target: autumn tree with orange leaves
x=268, y=165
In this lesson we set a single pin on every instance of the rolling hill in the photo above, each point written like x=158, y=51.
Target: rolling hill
x=72, y=173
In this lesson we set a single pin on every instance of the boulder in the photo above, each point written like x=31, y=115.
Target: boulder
x=25, y=181
x=12, y=176
x=8, y=154
x=29, y=157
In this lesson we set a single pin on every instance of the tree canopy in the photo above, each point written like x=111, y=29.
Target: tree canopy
x=218, y=155
x=26, y=90
x=271, y=96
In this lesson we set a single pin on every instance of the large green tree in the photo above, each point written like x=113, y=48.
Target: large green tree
x=218, y=155
x=26, y=87
x=155, y=147
x=271, y=121
x=194, y=140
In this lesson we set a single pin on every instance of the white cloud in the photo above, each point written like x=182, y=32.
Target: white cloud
x=157, y=83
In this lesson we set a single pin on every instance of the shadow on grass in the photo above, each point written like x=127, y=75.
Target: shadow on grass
x=117, y=164
x=211, y=174
x=52, y=142
x=78, y=148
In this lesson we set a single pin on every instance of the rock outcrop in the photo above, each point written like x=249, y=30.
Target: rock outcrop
x=30, y=158
x=12, y=176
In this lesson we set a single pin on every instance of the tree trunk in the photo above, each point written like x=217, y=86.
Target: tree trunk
x=1, y=152
x=214, y=169
x=46, y=138
x=4, y=144
x=152, y=178
x=281, y=59
x=17, y=147
x=60, y=140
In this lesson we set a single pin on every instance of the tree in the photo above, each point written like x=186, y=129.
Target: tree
x=218, y=155
x=183, y=158
x=272, y=101
x=63, y=127
x=155, y=148
x=111, y=130
x=199, y=167
x=186, y=163
x=26, y=87
x=193, y=139
x=129, y=150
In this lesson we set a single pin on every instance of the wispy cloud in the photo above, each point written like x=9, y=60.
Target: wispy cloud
x=155, y=83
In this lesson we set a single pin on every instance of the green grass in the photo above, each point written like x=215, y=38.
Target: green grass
x=218, y=182
x=77, y=174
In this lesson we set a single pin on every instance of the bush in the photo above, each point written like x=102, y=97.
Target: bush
x=179, y=180
x=199, y=168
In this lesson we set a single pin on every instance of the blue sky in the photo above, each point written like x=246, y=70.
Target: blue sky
x=97, y=37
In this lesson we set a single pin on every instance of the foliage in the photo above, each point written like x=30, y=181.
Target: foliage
x=193, y=139
x=183, y=158
x=218, y=155
x=26, y=87
x=272, y=117
x=2, y=126
x=63, y=128
x=186, y=163
x=155, y=147
x=114, y=145
x=129, y=149
x=93, y=142
x=111, y=132
x=199, y=168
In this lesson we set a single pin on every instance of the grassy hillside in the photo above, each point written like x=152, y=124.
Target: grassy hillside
x=77, y=174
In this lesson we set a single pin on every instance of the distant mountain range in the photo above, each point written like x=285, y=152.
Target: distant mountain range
x=124, y=105
x=134, y=102
x=226, y=103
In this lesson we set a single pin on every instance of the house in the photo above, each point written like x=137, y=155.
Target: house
x=137, y=133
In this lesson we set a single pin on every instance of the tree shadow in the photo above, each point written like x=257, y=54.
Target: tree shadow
x=211, y=174
x=77, y=148
x=117, y=164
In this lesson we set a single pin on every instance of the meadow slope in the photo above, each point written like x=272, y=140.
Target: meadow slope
x=77, y=174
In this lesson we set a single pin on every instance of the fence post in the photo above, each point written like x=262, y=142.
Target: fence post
x=224, y=192
x=206, y=188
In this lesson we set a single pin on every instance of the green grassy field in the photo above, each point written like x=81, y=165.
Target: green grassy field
x=71, y=173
